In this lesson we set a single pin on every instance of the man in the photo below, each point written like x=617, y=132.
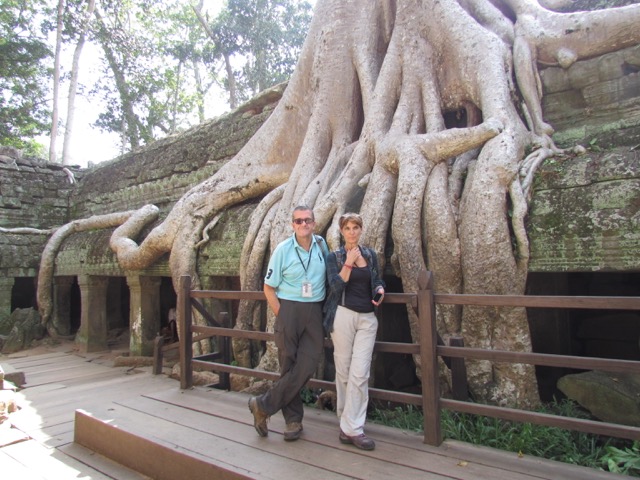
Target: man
x=295, y=288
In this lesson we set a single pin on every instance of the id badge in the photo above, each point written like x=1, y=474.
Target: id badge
x=307, y=290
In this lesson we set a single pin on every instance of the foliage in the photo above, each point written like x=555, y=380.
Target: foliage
x=625, y=461
x=408, y=418
x=33, y=149
x=161, y=63
x=24, y=76
x=158, y=63
x=525, y=438
x=266, y=35
x=144, y=84
x=308, y=396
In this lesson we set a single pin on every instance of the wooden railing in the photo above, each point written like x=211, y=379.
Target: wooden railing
x=428, y=348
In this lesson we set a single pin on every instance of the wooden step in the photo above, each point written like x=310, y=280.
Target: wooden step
x=178, y=450
x=12, y=375
x=29, y=460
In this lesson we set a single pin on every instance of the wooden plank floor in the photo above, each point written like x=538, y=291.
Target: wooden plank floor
x=134, y=422
x=37, y=441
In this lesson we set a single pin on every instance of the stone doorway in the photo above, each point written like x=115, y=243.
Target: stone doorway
x=581, y=332
x=23, y=293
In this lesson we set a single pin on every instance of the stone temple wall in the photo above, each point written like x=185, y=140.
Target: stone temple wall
x=595, y=102
x=33, y=194
x=585, y=212
x=87, y=275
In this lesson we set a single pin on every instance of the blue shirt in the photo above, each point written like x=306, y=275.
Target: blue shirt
x=290, y=265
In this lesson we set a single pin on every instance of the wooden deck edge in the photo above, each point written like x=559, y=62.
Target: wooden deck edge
x=100, y=463
x=160, y=462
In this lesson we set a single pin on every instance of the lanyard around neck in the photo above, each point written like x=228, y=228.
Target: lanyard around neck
x=308, y=261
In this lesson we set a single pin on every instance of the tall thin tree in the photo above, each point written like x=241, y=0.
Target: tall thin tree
x=56, y=82
x=73, y=84
x=225, y=51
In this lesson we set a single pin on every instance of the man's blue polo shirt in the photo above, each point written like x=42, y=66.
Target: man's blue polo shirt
x=286, y=270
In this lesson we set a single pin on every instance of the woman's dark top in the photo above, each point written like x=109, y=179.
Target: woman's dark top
x=357, y=294
x=335, y=261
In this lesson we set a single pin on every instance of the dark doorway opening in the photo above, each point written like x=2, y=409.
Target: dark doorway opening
x=582, y=332
x=23, y=293
x=168, y=301
x=75, y=307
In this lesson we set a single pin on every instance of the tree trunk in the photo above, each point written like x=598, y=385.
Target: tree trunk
x=130, y=130
x=231, y=80
x=56, y=83
x=73, y=83
x=201, y=92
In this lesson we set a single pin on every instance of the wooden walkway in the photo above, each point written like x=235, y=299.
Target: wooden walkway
x=132, y=421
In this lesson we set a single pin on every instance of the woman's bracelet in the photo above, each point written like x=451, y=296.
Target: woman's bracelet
x=348, y=266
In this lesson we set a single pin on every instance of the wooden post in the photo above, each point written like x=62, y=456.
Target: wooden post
x=157, y=355
x=459, y=385
x=225, y=351
x=183, y=312
x=429, y=359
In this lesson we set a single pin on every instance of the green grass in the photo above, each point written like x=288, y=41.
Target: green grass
x=624, y=460
x=553, y=443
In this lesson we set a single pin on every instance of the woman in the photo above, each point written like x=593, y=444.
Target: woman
x=355, y=289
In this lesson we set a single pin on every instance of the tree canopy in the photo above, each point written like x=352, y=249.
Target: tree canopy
x=24, y=72
x=267, y=34
x=158, y=62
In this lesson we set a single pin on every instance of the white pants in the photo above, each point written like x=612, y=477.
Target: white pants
x=353, y=336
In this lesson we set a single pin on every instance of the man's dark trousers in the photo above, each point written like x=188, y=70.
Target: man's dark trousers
x=299, y=337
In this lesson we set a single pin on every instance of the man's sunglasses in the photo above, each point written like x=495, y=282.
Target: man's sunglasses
x=300, y=221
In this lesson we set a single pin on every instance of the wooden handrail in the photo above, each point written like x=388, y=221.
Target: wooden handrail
x=408, y=298
x=546, y=359
x=429, y=348
x=512, y=414
x=538, y=301
x=428, y=360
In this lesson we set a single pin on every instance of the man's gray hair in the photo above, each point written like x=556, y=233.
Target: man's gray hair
x=302, y=208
